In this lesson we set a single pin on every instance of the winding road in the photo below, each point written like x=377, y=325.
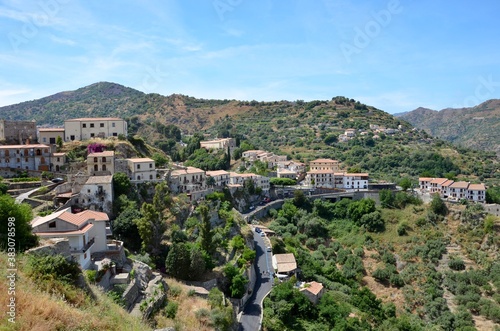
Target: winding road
x=251, y=318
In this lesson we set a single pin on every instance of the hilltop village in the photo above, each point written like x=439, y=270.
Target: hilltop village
x=78, y=208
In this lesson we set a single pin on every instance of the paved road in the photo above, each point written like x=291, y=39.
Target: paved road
x=252, y=313
x=20, y=198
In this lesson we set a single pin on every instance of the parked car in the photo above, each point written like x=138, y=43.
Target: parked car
x=258, y=230
x=58, y=180
x=262, y=234
x=269, y=249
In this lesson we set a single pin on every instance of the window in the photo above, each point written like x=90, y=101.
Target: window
x=52, y=224
x=88, y=190
x=103, y=159
x=26, y=159
x=138, y=166
x=44, y=139
x=95, y=159
x=85, y=255
x=91, y=125
x=92, y=135
x=18, y=160
x=115, y=134
x=113, y=124
x=58, y=159
x=72, y=137
x=101, y=125
x=103, y=167
x=84, y=125
x=151, y=165
x=150, y=176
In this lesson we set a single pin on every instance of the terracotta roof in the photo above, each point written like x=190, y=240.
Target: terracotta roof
x=438, y=181
x=105, y=153
x=425, y=179
x=189, y=170
x=285, y=262
x=286, y=171
x=58, y=154
x=217, y=173
x=324, y=161
x=99, y=179
x=447, y=183
x=50, y=129
x=360, y=174
x=314, y=288
x=140, y=159
x=477, y=187
x=460, y=185
x=94, y=119
x=65, y=233
x=24, y=146
x=66, y=215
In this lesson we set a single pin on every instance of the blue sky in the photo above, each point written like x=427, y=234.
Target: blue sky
x=395, y=55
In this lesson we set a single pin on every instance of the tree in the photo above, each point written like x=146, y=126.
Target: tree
x=178, y=261
x=331, y=139
x=206, y=232
x=405, y=183
x=3, y=188
x=386, y=198
x=16, y=217
x=125, y=227
x=159, y=159
x=121, y=184
x=359, y=208
x=372, y=222
x=59, y=142
x=152, y=225
x=438, y=206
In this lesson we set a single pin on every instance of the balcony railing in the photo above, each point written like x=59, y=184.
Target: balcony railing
x=85, y=248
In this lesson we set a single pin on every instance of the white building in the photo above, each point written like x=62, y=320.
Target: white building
x=258, y=180
x=356, y=181
x=97, y=194
x=86, y=232
x=187, y=180
x=284, y=173
x=141, y=169
x=99, y=127
x=476, y=192
x=101, y=163
x=221, y=177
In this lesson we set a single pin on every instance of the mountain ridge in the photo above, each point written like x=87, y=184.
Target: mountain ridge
x=475, y=127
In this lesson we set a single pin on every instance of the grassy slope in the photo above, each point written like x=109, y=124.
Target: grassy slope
x=41, y=311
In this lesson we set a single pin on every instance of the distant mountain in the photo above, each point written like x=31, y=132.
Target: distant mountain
x=476, y=127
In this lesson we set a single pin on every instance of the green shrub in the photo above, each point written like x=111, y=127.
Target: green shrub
x=91, y=275
x=171, y=309
x=456, y=264
x=47, y=267
x=175, y=291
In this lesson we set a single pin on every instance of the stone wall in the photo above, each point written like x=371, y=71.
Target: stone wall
x=492, y=209
x=130, y=295
x=53, y=247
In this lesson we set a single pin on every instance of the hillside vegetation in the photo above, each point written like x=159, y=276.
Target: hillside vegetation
x=476, y=127
x=302, y=130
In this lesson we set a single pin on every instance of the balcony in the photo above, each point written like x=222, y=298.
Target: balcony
x=85, y=248
x=114, y=245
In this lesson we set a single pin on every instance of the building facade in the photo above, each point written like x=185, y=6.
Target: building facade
x=141, y=169
x=449, y=189
x=101, y=163
x=324, y=164
x=97, y=194
x=26, y=157
x=88, y=128
x=221, y=177
x=223, y=143
x=17, y=132
x=86, y=232
x=49, y=135
x=187, y=180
